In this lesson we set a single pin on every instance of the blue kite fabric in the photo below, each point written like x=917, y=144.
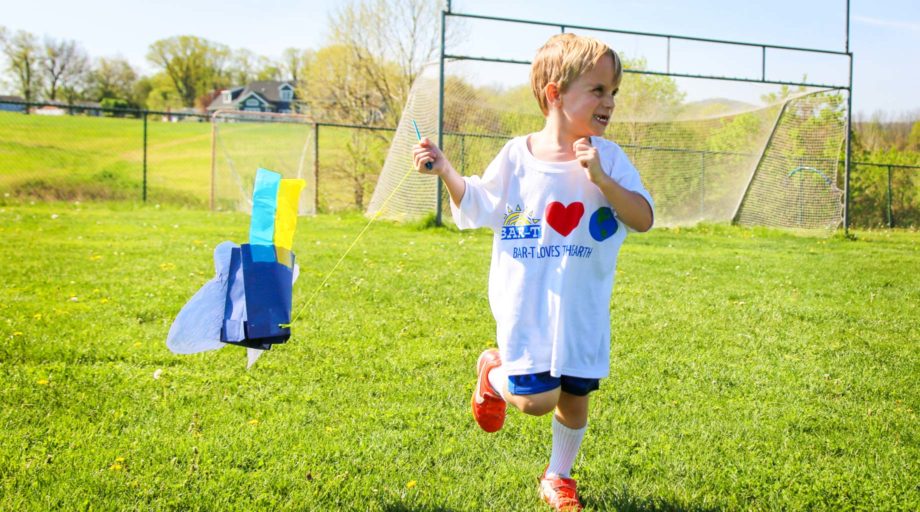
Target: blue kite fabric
x=248, y=302
x=258, y=299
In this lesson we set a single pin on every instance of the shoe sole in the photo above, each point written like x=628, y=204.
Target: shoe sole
x=480, y=363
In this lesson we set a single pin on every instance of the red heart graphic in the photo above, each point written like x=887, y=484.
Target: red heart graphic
x=564, y=218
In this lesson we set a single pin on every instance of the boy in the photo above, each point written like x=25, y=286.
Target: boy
x=557, y=200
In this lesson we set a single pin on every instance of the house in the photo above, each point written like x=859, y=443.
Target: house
x=262, y=96
x=12, y=104
x=49, y=110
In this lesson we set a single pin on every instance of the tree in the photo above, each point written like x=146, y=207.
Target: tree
x=913, y=140
x=65, y=64
x=242, y=67
x=24, y=57
x=112, y=78
x=267, y=69
x=389, y=42
x=295, y=64
x=162, y=94
x=340, y=91
x=195, y=66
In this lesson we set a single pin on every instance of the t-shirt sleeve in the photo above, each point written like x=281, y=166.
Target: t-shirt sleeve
x=482, y=202
x=622, y=170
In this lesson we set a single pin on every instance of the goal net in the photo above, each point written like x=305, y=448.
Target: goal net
x=242, y=142
x=770, y=159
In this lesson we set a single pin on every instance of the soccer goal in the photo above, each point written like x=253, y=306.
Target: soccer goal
x=242, y=142
x=753, y=151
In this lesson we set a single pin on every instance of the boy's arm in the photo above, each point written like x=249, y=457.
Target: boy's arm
x=630, y=206
x=427, y=151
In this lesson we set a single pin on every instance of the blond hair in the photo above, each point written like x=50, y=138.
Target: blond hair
x=565, y=57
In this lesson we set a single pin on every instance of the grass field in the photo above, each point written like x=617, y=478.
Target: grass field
x=90, y=158
x=752, y=370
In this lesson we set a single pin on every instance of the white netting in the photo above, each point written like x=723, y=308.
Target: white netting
x=401, y=192
x=771, y=162
x=795, y=182
x=242, y=142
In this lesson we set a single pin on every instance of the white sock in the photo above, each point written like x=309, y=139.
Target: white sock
x=566, y=442
x=498, y=379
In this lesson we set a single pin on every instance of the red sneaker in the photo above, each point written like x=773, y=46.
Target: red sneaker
x=488, y=406
x=559, y=492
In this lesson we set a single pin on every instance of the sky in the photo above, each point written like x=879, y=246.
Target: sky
x=884, y=36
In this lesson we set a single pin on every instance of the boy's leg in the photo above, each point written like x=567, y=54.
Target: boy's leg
x=569, y=425
x=570, y=422
x=536, y=404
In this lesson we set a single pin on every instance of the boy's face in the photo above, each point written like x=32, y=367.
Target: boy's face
x=588, y=103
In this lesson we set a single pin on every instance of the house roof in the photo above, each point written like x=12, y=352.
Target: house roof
x=269, y=89
x=12, y=98
x=266, y=90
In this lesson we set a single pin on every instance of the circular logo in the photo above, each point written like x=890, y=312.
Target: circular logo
x=603, y=224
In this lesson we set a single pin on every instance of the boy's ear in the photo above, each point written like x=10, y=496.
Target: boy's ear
x=553, y=96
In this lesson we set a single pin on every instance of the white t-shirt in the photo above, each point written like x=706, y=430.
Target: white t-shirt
x=553, y=256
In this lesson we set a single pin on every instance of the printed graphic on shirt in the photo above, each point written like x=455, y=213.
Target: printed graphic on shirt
x=538, y=252
x=603, y=224
x=564, y=218
x=520, y=224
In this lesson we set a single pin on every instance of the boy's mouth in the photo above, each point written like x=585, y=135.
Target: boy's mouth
x=602, y=119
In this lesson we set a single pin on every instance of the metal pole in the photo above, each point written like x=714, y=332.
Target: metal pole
x=213, y=157
x=668, y=65
x=437, y=219
x=848, y=27
x=145, y=157
x=315, y=167
x=846, y=181
x=763, y=63
x=890, y=219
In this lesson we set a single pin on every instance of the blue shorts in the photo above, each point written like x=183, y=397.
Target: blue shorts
x=534, y=383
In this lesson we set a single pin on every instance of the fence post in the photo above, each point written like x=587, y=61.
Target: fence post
x=890, y=219
x=145, y=157
x=213, y=119
x=315, y=167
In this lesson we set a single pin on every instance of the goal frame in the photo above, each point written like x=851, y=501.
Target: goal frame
x=447, y=13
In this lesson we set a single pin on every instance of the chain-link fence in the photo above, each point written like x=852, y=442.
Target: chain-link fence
x=85, y=152
x=884, y=195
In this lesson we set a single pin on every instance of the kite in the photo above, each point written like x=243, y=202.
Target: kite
x=248, y=302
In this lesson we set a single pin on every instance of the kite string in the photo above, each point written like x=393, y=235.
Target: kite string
x=345, y=254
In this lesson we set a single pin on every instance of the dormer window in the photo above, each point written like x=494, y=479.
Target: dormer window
x=228, y=96
x=287, y=94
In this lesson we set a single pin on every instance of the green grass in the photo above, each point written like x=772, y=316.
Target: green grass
x=92, y=158
x=752, y=370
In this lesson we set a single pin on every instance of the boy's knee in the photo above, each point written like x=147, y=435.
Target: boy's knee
x=537, y=405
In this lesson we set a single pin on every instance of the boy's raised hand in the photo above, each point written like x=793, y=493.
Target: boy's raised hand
x=588, y=157
x=427, y=151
